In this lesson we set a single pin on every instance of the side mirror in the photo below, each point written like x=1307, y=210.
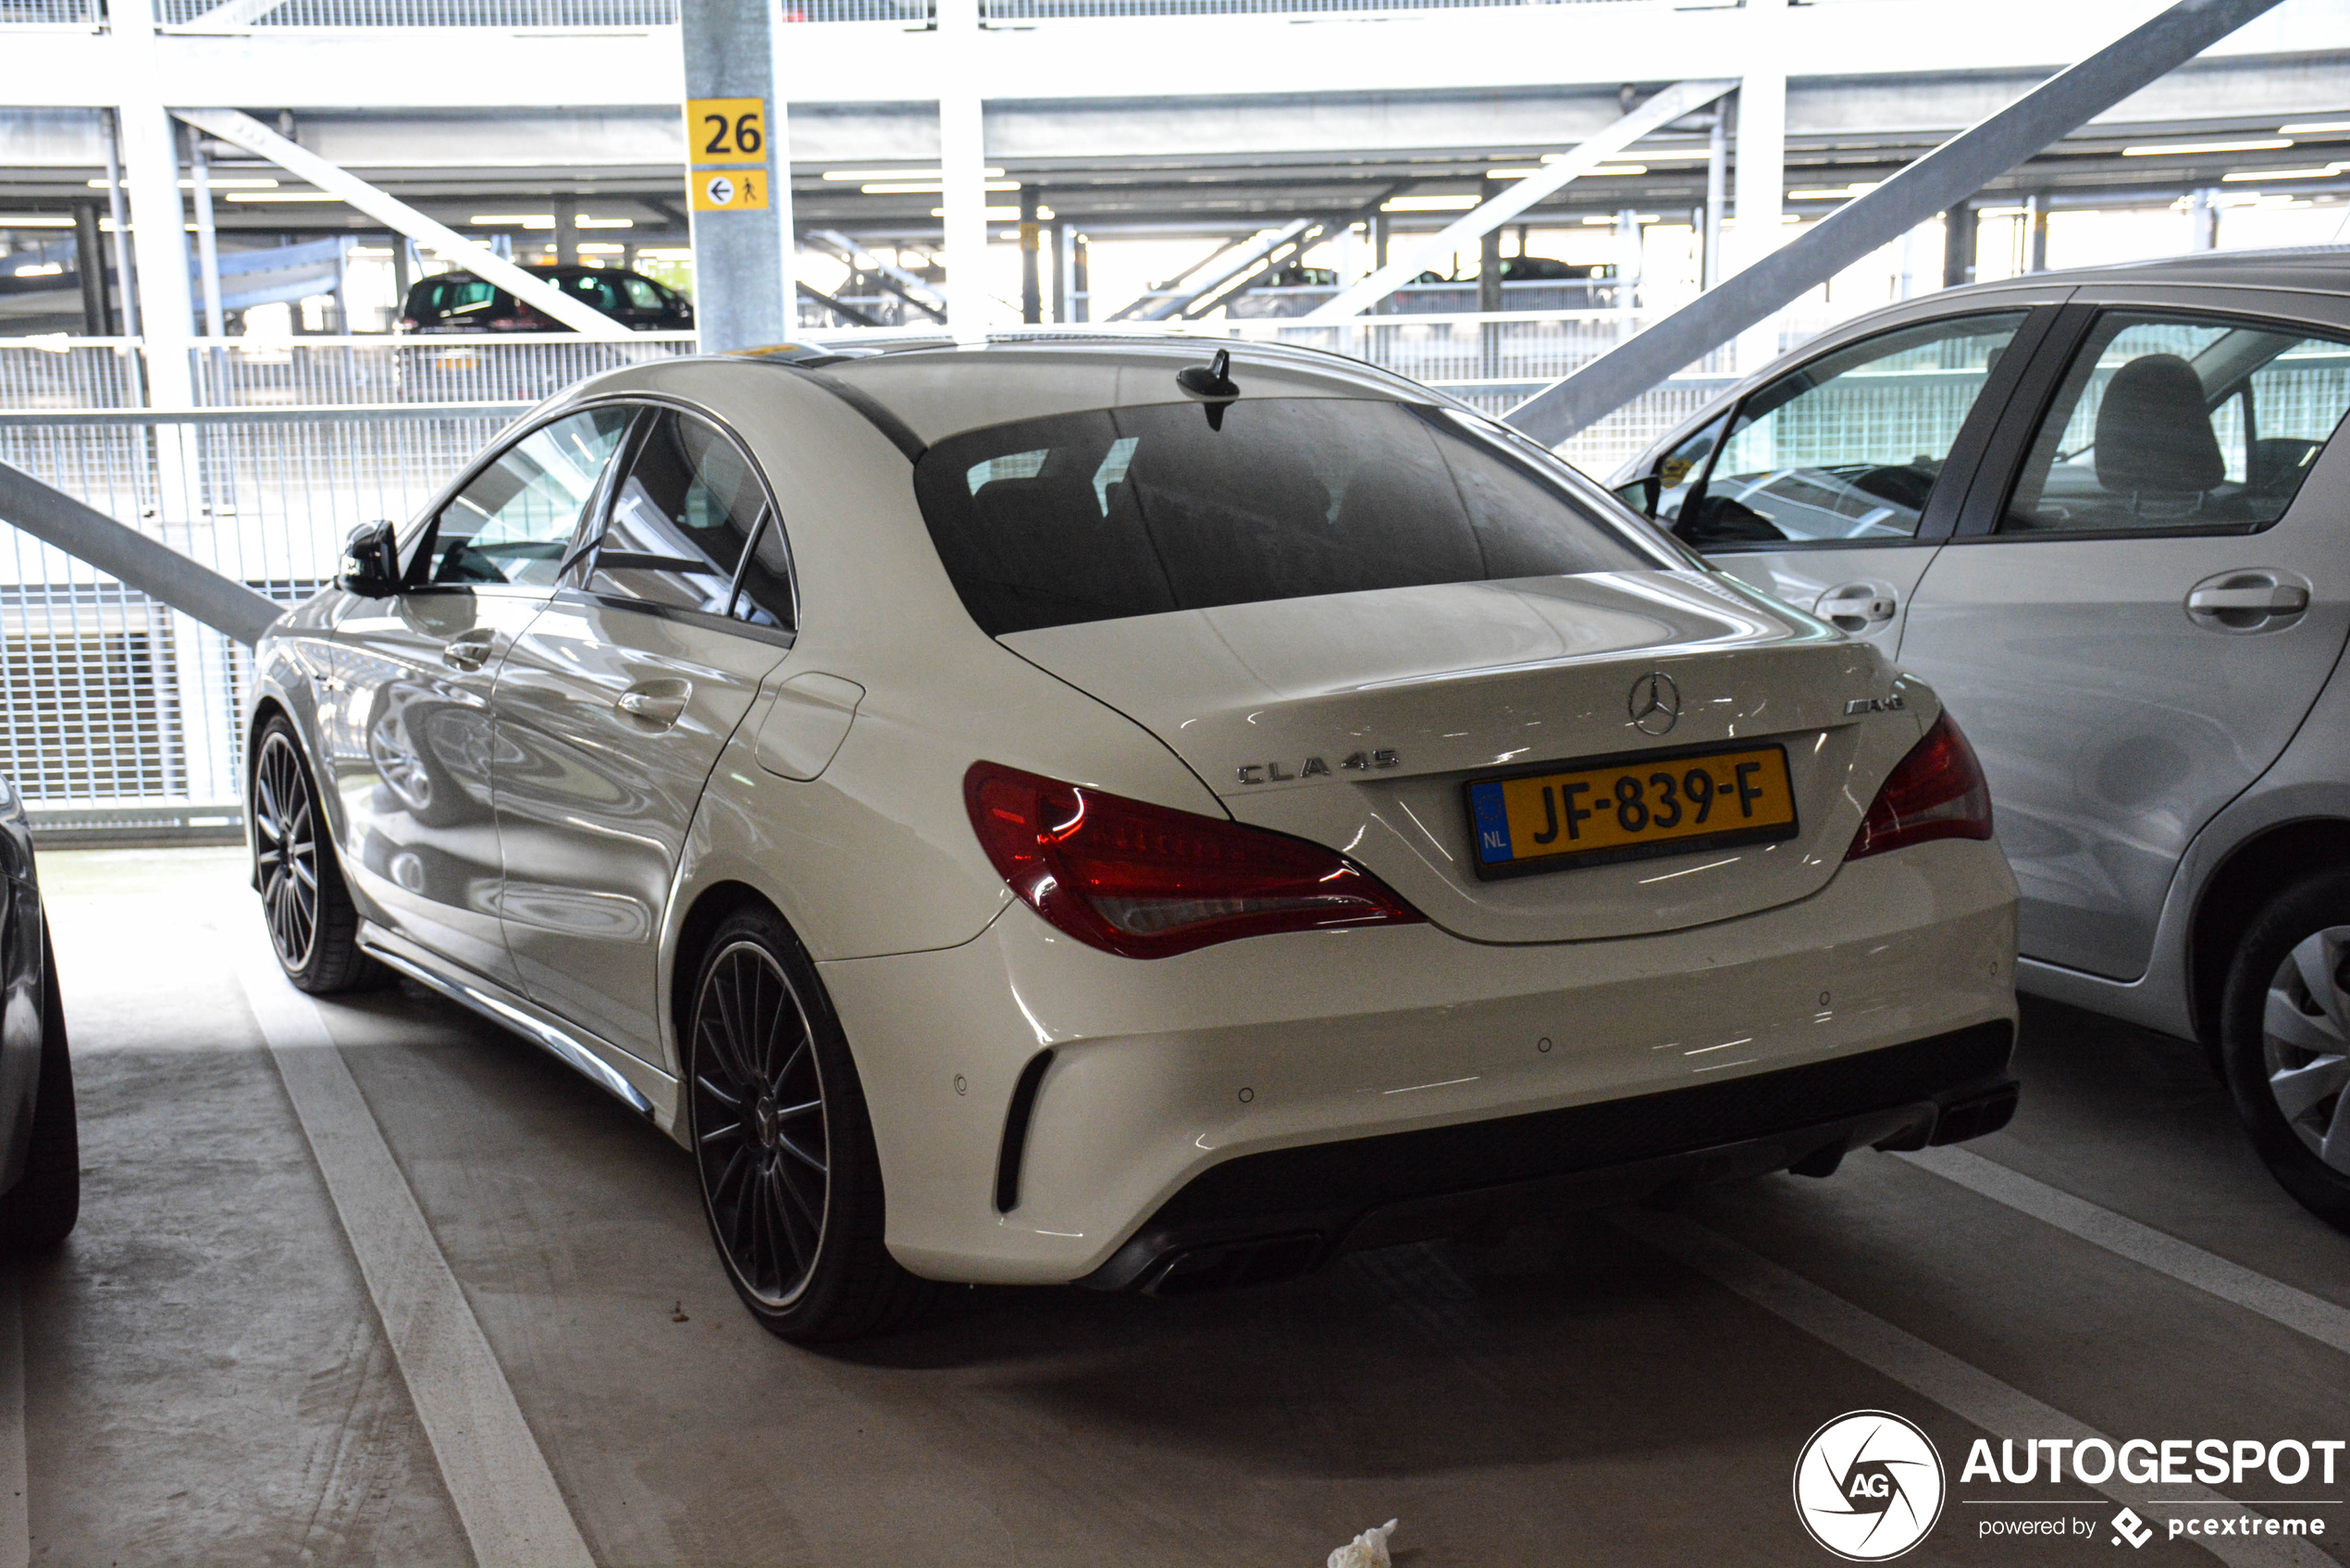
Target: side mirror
x=1642, y=495
x=370, y=561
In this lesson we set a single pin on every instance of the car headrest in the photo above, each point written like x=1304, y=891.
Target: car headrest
x=2154, y=431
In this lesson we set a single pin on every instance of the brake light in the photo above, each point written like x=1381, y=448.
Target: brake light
x=1936, y=792
x=1147, y=882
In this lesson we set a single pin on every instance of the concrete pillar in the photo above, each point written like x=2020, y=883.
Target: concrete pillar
x=404, y=273
x=165, y=301
x=118, y=209
x=1958, y=228
x=90, y=265
x=1032, y=281
x=1489, y=270
x=2036, y=232
x=208, y=238
x=1717, y=194
x=2203, y=215
x=566, y=216
x=1762, y=164
x=745, y=265
x=1056, y=239
x=1080, y=287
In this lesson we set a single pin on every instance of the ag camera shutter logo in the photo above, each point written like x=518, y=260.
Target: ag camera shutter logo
x=1869, y=1485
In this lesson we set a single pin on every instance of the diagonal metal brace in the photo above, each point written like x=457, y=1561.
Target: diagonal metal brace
x=1948, y=175
x=129, y=556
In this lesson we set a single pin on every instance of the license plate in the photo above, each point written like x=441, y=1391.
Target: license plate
x=1629, y=809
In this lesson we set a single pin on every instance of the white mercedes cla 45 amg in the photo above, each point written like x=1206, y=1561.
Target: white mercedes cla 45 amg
x=1060, y=811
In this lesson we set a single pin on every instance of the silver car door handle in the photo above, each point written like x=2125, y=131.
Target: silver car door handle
x=657, y=705
x=466, y=653
x=2278, y=599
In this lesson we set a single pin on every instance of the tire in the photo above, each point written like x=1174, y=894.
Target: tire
x=783, y=1145
x=314, y=929
x=39, y=1212
x=2285, y=1041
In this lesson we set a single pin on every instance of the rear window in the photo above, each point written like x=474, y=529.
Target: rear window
x=448, y=296
x=1124, y=512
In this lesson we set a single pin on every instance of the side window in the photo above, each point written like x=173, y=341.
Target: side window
x=681, y=519
x=596, y=291
x=641, y=294
x=1850, y=446
x=516, y=522
x=2168, y=422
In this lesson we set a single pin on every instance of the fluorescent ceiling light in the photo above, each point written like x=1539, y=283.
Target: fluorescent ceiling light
x=1605, y=169
x=919, y=171
x=1428, y=204
x=2316, y=128
x=50, y=269
x=33, y=220
x=2168, y=149
x=1836, y=193
x=1610, y=223
x=1513, y=173
x=992, y=215
x=2246, y=174
x=219, y=182
x=522, y=220
x=604, y=250
x=926, y=187
x=281, y=196
x=607, y=223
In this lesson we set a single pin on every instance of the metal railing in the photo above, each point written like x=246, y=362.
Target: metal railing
x=79, y=15
x=637, y=15
x=110, y=702
x=108, y=696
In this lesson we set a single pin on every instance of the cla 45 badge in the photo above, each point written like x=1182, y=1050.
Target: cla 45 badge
x=1273, y=772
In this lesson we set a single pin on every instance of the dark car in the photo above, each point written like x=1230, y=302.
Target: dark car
x=40, y=1151
x=459, y=302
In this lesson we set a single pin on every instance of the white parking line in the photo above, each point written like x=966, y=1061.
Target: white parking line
x=2296, y=1309
x=506, y=1498
x=15, y=1521
x=1964, y=1390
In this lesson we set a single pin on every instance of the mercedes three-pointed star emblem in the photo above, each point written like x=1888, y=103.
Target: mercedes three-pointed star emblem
x=1654, y=704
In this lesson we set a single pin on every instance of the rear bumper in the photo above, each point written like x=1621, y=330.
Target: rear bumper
x=1270, y=1216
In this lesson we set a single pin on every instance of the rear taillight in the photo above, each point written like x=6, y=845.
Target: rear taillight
x=406, y=324
x=1938, y=791
x=1147, y=882
x=525, y=319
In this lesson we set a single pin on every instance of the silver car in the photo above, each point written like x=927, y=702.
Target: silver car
x=2106, y=514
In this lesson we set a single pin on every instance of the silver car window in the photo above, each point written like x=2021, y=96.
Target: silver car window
x=1851, y=445
x=515, y=521
x=683, y=519
x=2167, y=422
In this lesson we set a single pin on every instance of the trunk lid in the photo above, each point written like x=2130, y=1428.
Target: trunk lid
x=1462, y=680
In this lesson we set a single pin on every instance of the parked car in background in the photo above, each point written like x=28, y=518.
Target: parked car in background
x=40, y=1143
x=459, y=302
x=1064, y=811
x=2106, y=514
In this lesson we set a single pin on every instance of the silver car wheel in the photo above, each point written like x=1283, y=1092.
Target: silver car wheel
x=2306, y=1037
x=285, y=844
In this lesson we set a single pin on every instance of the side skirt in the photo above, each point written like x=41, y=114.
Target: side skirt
x=582, y=1052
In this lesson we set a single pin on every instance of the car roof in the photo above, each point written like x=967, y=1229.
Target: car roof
x=2316, y=268
x=939, y=386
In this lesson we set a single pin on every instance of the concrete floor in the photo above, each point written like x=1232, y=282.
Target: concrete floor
x=207, y=1381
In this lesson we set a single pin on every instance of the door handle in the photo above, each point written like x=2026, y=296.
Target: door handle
x=1855, y=607
x=468, y=652
x=2256, y=600
x=656, y=702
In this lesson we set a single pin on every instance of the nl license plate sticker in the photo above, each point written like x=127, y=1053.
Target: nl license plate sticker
x=1602, y=813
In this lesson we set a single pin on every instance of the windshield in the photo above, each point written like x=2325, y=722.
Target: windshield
x=1123, y=512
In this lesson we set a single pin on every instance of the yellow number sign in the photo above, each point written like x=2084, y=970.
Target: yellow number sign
x=726, y=130
x=729, y=190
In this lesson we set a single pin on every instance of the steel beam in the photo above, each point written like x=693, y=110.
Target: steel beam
x=130, y=556
x=1409, y=258
x=897, y=280
x=1217, y=270
x=243, y=131
x=1941, y=179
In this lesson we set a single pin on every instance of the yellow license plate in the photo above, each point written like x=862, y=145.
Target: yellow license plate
x=1629, y=809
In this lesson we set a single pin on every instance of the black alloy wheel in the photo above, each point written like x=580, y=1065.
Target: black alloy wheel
x=759, y=1124
x=284, y=849
x=313, y=926
x=784, y=1145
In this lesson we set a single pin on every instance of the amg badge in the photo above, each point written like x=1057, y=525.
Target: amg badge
x=1892, y=704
